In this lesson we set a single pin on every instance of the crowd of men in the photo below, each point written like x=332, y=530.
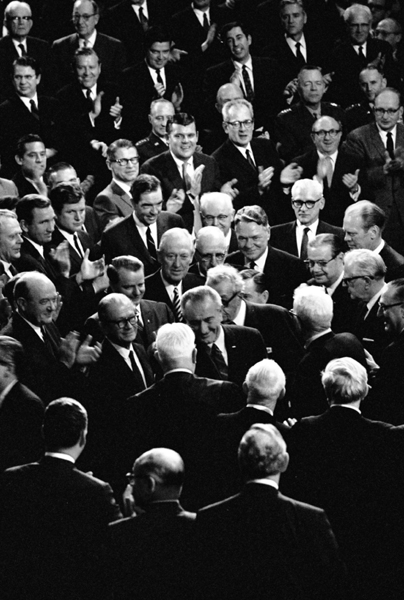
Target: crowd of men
x=201, y=300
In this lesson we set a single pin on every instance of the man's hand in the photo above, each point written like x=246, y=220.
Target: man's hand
x=327, y=78
x=61, y=256
x=86, y=354
x=230, y=189
x=394, y=164
x=175, y=201
x=264, y=178
x=99, y=147
x=89, y=270
x=87, y=183
x=176, y=54
x=351, y=180
x=291, y=173
x=210, y=37
x=196, y=181
x=97, y=106
x=116, y=109
x=290, y=90
x=101, y=283
x=68, y=349
x=177, y=96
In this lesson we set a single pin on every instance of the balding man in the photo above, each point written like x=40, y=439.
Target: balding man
x=363, y=224
x=152, y=552
x=210, y=251
x=307, y=202
x=379, y=149
x=247, y=540
x=336, y=168
x=213, y=133
x=217, y=209
x=161, y=110
x=10, y=241
x=371, y=82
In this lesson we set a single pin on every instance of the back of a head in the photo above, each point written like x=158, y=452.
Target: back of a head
x=166, y=467
x=265, y=382
x=175, y=344
x=262, y=452
x=366, y=262
x=345, y=381
x=313, y=306
x=65, y=422
x=11, y=353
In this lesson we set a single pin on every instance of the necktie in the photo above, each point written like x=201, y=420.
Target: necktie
x=205, y=22
x=144, y=21
x=299, y=56
x=89, y=101
x=361, y=54
x=34, y=109
x=161, y=82
x=77, y=245
x=329, y=170
x=390, y=144
x=48, y=342
x=177, y=306
x=135, y=369
x=252, y=265
x=250, y=160
x=303, y=247
x=220, y=363
x=151, y=246
x=315, y=116
x=249, y=92
x=22, y=49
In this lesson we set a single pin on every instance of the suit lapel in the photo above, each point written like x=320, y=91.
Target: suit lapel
x=376, y=140
x=137, y=244
x=239, y=159
x=121, y=195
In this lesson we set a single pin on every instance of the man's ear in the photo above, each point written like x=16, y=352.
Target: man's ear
x=18, y=159
x=38, y=79
x=24, y=226
x=21, y=304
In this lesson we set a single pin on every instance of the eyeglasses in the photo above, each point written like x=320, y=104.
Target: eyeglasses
x=16, y=19
x=126, y=161
x=209, y=257
x=237, y=124
x=122, y=323
x=380, y=112
x=320, y=263
x=348, y=280
x=307, y=203
x=225, y=303
x=221, y=218
x=331, y=132
x=77, y=18
x=385, y=307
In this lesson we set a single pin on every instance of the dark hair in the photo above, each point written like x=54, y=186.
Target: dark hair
x=252, y=214
x=259, y=279
x=328, y=239
x=9, y=202
x=26, y=205
x=27, y=61
x=156, y=34
x=64, y=422
x=131, y=263
x=59, y=166
x=65, y=193
x=142, y=185
x=181, y=118
x=229, y=26
x=121, y=143
x=84, y=52
x=30, y=138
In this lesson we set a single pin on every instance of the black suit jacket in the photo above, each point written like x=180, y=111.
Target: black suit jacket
x=393, y=261
x=51, y=501
x=75, y=258
x=278, y=262
x=283, y=236
x=155, y=288
x=298, y=554
x=23, y=185
x=124, y=238
x=150, y=146
x=370, y=331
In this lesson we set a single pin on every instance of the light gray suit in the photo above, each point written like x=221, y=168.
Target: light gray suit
x=7, y=188
x=112, y=202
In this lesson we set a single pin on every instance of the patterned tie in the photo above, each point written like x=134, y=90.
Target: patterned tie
x=250, y=160
x=177, y=306
x=249, y=92
x=144, y=21
x=151, y=246
x=34, y=109
x=303, y=247
x=77, y=245
x=299, y=56
x=390, y=145
x=220, y=363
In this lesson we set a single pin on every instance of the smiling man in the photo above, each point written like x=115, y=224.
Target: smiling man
x=10, y=241
x=31, y=157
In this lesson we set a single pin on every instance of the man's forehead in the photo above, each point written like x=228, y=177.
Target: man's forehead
x=327, y=122
x=63, y=176
x=238, y=112
x=184, y=129
x=310, y=75
x=306, y=194
x=84, y=5
x=320, y=251
x=20, y=10
x=216, y=207
x=162, y=108
x=34, y=147
x=90, y=60
x=388, y=98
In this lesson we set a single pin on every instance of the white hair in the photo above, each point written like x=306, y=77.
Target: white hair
x=174, y=341
x=264, y=379
x=313, y=306
x=345, y=381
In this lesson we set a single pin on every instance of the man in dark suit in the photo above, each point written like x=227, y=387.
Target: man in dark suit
x=274, y=323
x=31, y=158
x=253, y=234
x=217, y=209
x=110, y=51
x=140, y=233
x=169, y=283
x=364, y=223
x=21, y=411
x=378, y=146
x=62, y=511
x=150, y=79
x=260, y=542
x=221, y=348
x=371, y=82
x=314, y=310
x=161, y=111
x=18, y=43
x=252, y=165
x=183, y=169
x=115, y=201
x=10, y=242
x=293, y=126
x=152, y=552
x=347, y=465
x=307, y=201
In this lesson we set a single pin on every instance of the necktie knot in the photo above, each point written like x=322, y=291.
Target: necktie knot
x=390, y=145
x=144, y=21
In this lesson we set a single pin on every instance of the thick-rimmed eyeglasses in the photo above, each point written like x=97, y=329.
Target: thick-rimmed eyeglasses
x=320, y=263
x=385, y=307
x=225, y=303
x=348, y=280
x=122, y=323
x=332, y=133
x=380, y=112
x=307, y=203
x=237, y=124
x=124, y=162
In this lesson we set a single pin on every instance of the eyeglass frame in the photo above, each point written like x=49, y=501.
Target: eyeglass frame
x=226, y=303
x=321, y=263
x=380, y=112
x=77, y=18
x=248, y=123
x=331, y=132
x=16, y=19
x=209, y=255
x=122, y=323
x=124, y=162
x=384, y=307
x=346, y=281
x=306, y=203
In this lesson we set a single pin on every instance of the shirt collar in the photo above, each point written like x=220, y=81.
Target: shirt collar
x=333, y=156
x=260, y=262
x=27, y=101
x=379, y=247
x=90, y=40
x=239, y=65
x=239, y=319
x=312, y=227
x=316, y=336
x=180, y=162
x=346, y=406
x=37, y=247
x=265, y=481
x=260, y=407
x=61, y=456
x=331, y=289
x=124, y=186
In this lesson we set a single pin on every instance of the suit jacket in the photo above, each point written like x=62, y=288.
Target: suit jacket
x=298, y=555
x=337, y=197
x=387, y=191
x=153, y=552
x=237, y=340
x=293, y=128
x=164, y=168
x=155, y=288
x=306, y=394
x=52, y=501
x=124, y=238
x=370, y=331
x=112, y=202
x=21, y=417
x=344, y=310
x=7, y=188
x=233, y=165
x=393, y=261
x=150, y=146
x=283, y=236
x=75, y=258
x=278, y=262
x=22, y=184
x=110, y=51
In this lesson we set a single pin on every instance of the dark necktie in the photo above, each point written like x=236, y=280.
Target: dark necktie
x=252, y=265
x=22, y=49
x=185, y=176
x=177, y=306
x=315, y=116
x=299, y=56
x=48, y=342
x=361, y=54
x=205, y=22
x=390, y=145
x=159, y=78
x=250, y=160
x=217, y=358
x=77, y=245
x=303, y=247
x=135, y=370
x=144, y=21
x=151, y=246
x=89, y=101
x=34, y=109
x=249, y=92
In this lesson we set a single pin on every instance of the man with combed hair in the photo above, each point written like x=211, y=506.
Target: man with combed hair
x=364, y=223
x=210, y=251
x=314, y=310
x=254, y=287
x=341, y=459
x=253, y=234
x=161, y=111
x=213, y=133
x=261, y=518
x=217, y=210
x=275, y=323
x=307, y=202
x=364, y=278
x=371, y=82
x=10, y=241
x=62, y=512
x=152, y=552
x=221, y=348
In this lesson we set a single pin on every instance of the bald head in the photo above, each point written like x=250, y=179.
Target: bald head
x=227, y=92
x=158, y=475
x=217, y=209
